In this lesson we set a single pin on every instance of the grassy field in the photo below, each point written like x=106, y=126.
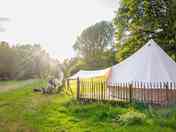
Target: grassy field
x=21, y=110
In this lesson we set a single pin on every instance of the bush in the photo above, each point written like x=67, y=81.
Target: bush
x=131, y=118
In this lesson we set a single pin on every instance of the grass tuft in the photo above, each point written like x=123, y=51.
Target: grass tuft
x=132, y=118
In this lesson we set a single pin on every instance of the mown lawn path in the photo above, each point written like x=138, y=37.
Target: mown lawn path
x=16, y=100
x=11, y=85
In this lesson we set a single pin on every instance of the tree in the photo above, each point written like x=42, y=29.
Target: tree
x=26, y=62
x=94, y=45
x=73, y=65
x=7, y=61
x=137, y=21
x=35, y=62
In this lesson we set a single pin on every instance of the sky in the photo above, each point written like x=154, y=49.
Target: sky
x=55, y=24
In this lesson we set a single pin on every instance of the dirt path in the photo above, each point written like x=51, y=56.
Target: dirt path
x=10, y=85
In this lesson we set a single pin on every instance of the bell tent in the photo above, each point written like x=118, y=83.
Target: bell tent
x=149, y=64
x=150, y=73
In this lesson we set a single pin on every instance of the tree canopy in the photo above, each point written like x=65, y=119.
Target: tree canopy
x=94, y=46
x=137, y=21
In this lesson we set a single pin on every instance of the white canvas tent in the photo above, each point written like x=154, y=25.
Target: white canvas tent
x=149, y=64
x=82, y=74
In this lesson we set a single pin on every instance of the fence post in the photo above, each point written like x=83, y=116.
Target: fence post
x=102, y=98
x=130, y=92
x=68, y=83
x=65, y=86
x=78, y=88
x=167, y=98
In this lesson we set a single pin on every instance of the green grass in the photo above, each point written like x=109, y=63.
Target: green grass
x=21, y=110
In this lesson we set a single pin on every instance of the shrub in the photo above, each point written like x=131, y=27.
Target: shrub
x=131, y=118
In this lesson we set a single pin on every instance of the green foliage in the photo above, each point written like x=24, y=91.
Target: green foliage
x=94, y=39
x=73, y=65
x=132, y=118
x=95, y=46
x=26, y=61
x=137, y=21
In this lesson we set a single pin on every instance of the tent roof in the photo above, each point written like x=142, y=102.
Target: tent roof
x=90, y=74
x=148, y=64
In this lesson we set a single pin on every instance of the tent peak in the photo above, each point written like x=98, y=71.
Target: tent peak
x=151, y=42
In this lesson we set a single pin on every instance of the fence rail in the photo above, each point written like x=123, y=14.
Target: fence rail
x=160, y=93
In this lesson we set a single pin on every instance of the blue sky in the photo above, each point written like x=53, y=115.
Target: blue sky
x=54, y=24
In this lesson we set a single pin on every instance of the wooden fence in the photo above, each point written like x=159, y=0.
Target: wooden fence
x=159, y=93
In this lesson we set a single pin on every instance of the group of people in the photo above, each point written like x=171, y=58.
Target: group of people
x=54, y=86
